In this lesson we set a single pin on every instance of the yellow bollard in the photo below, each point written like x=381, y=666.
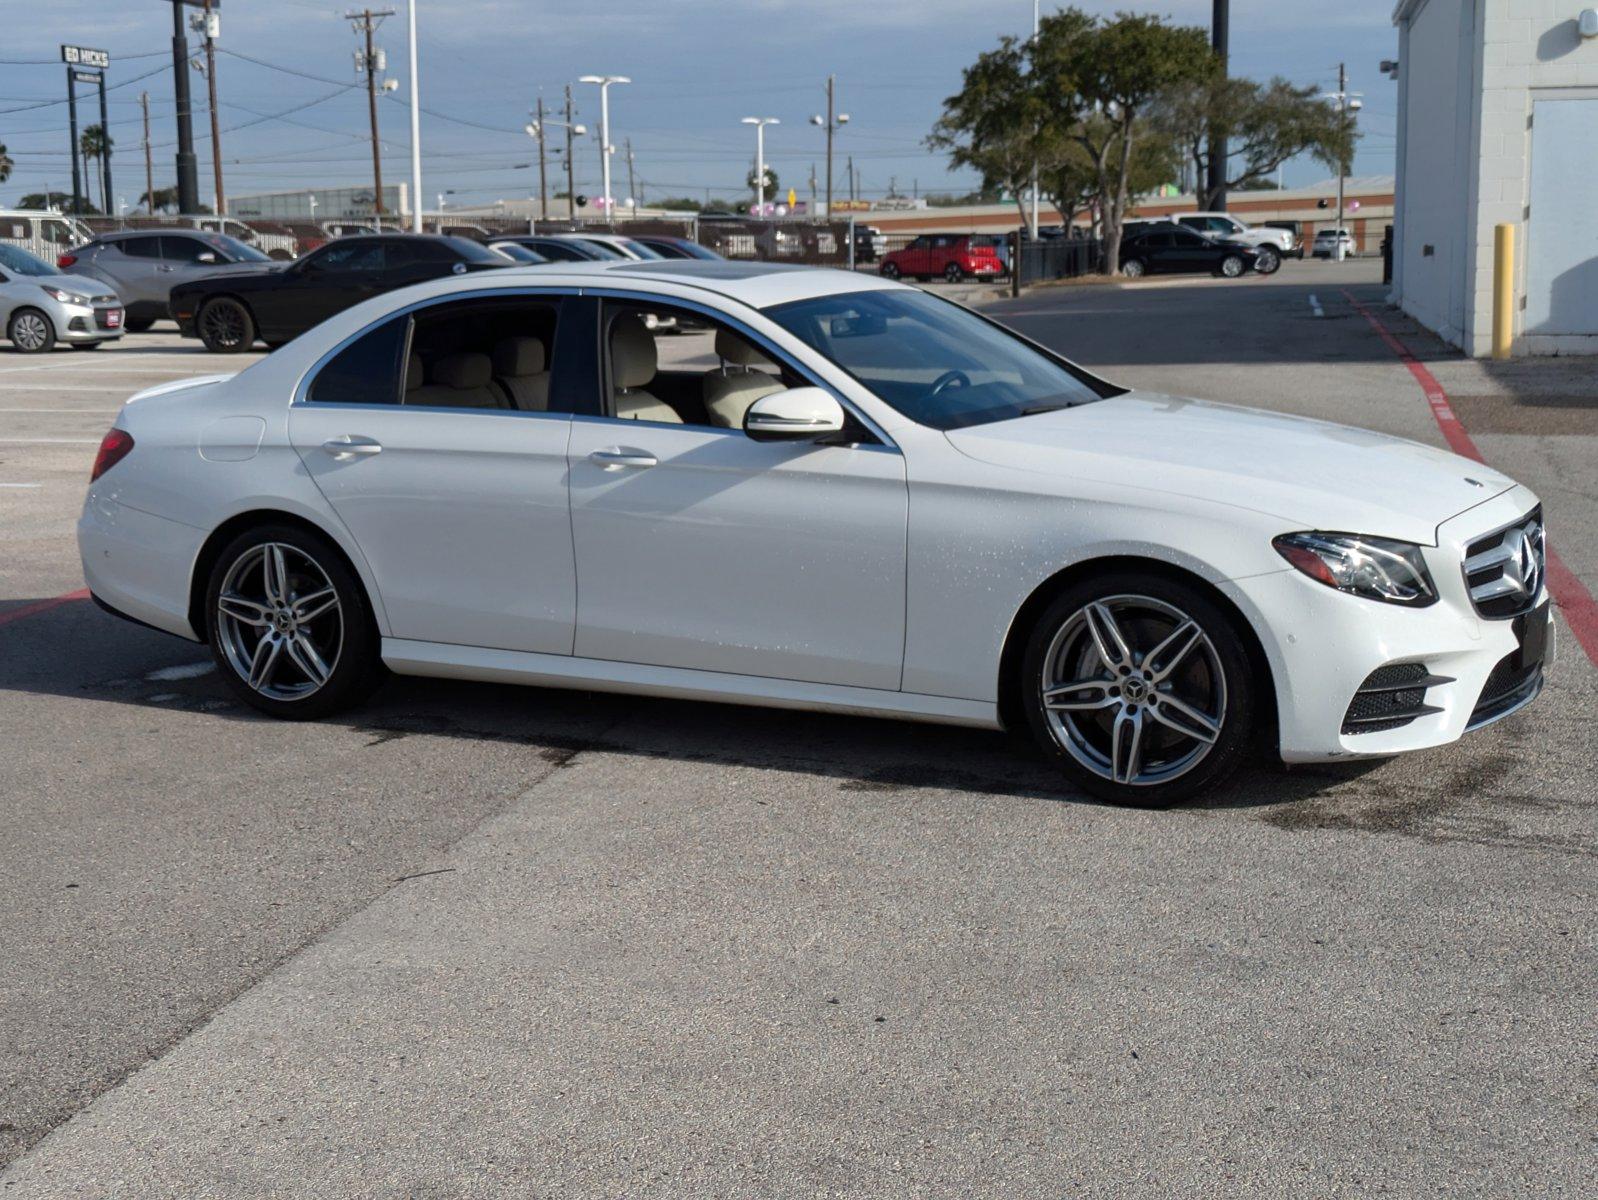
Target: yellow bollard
x=1503, y=290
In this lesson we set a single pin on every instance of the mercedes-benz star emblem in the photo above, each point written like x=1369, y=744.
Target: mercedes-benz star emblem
x=1524, y=567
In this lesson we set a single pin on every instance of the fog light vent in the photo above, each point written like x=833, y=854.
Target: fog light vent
x=1390, y=698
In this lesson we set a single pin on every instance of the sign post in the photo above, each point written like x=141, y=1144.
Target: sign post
x=87, y=65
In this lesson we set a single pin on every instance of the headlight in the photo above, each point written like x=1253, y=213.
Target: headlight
x=64, y=296
x=1373, y=567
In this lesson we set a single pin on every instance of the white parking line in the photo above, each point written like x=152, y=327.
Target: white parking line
x=67, y=387
x=1316, y=305
x=50, y=441
x=86, y=412
x=21, y=485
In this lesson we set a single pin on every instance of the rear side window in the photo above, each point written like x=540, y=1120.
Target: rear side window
x=140, y=247
x=175, y=248
x=367, y=371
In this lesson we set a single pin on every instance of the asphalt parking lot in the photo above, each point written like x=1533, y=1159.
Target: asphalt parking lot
x=482, y=941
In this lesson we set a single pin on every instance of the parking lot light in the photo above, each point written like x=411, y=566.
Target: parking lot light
x=604, y=82
x=760, y=124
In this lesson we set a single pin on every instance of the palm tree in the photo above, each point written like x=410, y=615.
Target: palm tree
x=94, y=144
x=5, y=163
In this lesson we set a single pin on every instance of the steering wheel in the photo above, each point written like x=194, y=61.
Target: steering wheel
x=949, y=379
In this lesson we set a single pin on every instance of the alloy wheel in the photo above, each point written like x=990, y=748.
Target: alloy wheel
x=1133, y=690
x=1268, y=261
x=222, y=324
x=279, y=621
x=1231, y=266
x=29, y=331
x=1132, y=269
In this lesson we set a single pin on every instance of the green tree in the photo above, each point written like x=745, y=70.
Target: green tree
x=997, y=124
x=159, y=200
x=94, y=143
x=679, y=204
x=1120, y=69
x=1264, y=124
x=60, y=201
x=771, y=183
x=6, y=163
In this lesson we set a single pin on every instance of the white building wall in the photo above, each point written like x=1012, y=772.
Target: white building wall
x=1472, y=71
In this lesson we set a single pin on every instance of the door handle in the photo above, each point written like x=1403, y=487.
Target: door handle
x=351, y=446
x=163, y=268
x=613, y=458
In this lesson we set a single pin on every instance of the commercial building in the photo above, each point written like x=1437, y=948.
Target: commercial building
x=1498, y=123
x=320, y=204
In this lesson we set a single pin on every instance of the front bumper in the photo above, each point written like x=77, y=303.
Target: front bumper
x=1324, y=645
x=77, y=323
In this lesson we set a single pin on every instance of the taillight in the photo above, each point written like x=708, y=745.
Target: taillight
x=114, y=447
x=65, y=260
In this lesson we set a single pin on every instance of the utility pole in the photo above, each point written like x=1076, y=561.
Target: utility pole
x=149, y=167
x=543, y=183
x=210, y=25
x=188, y=178
x=1220, y=22
x=571, y=174
x=849, y=177
x=632, y=188
x=1036, y=26
x=372, y=62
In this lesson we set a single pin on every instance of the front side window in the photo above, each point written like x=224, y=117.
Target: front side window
x=354, y=255
x=935, y=362
x=678, y=367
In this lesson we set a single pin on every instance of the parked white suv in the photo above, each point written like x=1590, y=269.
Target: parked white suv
x=1226, y=226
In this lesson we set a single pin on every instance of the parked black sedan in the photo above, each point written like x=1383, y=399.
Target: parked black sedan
x=1168, y=248
x=229, y=312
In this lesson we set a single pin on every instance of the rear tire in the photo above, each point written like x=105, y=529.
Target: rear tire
x=953, y=273
x=1133, y=268
x=87, y=345
x=888, y=270
x=142, y=325
x=1269, y=261
x=1173, y=719
x=1231, y=266
x=225, y=326
x=295, y=637
x=31, y=331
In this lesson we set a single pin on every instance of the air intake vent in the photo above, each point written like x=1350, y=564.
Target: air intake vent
x=1390, y=698
x=1504, y=570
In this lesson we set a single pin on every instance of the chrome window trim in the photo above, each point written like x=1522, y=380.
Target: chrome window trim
x=760, y=340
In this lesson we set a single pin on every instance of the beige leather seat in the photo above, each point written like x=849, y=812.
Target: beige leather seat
x=730, y=390
x=519, y=369
x=632, y=367
x=459, y=381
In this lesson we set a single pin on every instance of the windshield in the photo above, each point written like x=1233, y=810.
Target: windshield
x=608, y=253
x=518, y=253
x=233, y=248
x=642, y=250
x=24, y=263
x=933, y=361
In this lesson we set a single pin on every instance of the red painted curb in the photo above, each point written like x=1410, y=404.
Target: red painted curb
x=39, y=606
x=1569, y=593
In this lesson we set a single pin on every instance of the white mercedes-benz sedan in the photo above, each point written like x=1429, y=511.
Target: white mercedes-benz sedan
x=823, y=491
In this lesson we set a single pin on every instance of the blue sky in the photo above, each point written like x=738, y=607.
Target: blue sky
x=698, y=66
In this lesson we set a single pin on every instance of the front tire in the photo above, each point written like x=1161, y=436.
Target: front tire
x=1232, y=266
x=289, y=624
x=1269, y=261
x=889, y=270
x=226, y=326
x=31, y=331
x=953, y=273
x=1139, y=687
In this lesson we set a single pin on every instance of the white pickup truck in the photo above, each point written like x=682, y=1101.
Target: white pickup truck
x=1225, y=225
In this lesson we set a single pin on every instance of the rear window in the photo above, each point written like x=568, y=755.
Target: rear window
x=367, y=371
x=470, y=251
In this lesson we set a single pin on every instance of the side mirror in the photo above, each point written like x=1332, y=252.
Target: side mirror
x=798, y=414
x=205, y=256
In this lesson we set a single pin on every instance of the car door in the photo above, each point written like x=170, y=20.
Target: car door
x=1155, y=251
x=699, y=547
x=917, y=257
x=1191, y=252
x=133, y=266
x=449, y=476
x=185, y=257
x=338, y=275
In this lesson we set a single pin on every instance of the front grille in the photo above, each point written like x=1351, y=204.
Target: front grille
x=1508, y=687
x=1504, y=569
x=1390, y=698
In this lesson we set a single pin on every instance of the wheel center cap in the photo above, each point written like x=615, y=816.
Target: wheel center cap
x=1134, y=689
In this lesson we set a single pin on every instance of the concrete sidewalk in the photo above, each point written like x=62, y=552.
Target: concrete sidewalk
x=940, y=996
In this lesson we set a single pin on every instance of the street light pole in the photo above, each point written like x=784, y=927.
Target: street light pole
x=1215, y=185
x=832, y=124
x=188, y=177
x=605, y=148
x=760, y=124
x=1036, y=26
x=543, y=185
x=416, y=128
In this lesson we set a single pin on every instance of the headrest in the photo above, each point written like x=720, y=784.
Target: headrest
x=632, y=352
x=413, y=372
x=735, y=350
x=518, y=356
x=463, y=371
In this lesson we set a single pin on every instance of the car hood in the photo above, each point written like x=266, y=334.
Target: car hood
x=84, y=285
x=1311, y=474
